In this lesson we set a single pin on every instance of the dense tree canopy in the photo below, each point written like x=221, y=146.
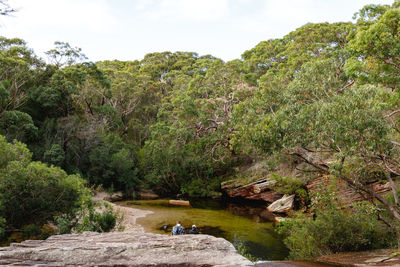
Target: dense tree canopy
x=324, y=96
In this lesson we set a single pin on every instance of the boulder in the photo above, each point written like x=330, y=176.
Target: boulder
x=123, y=249
x=258, y=190
x=282, y=205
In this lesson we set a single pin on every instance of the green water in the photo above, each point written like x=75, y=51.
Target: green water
x=236, y=223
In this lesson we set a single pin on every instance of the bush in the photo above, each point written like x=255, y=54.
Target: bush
x=95, y=217
x=333, y=231
x=35, y=193
x=243, y=250
x=290, y=186
x=32, y=192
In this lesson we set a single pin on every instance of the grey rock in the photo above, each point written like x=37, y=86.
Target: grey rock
x=123, y=249
x=282, y=205
x=261, y=187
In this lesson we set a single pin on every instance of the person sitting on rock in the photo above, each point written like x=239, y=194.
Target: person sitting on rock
x=194, y=230
x=178, y=229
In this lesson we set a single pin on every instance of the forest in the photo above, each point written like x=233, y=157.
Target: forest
x=323, y=101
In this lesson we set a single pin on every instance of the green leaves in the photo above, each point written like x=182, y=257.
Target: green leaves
x=190, y=142
x=17, y=125
x=334, y=230
x=112, y=162
x=375, y=49
x=65, y=55
x=33, y=192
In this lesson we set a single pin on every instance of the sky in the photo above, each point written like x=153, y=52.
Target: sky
x=129, y=29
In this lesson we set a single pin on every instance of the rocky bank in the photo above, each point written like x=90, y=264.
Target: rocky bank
x=258, y=190
x=123, y=249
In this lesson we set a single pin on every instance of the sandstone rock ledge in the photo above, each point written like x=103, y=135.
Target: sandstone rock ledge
x=123, y=249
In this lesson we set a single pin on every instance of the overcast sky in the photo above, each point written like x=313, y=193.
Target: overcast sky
x=129, y=29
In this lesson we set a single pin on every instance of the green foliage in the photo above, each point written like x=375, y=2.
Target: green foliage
x=113, y=163
x=31, y=192
x=374, y=47
x=4, y=98
x=191, y=141
x=243, y=250
x=15, y=151
x=3, y=227
x=198, y=188
x=317, y=98
x=55, y=155
x=97, y=217
x=17, y=125
x=18, y=69
x=288, y=185
x=65, y=55
x=334, y=230
x=35, y=192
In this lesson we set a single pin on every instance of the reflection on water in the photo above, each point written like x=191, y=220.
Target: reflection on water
x=251, y=226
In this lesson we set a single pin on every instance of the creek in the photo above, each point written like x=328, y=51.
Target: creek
x=248, y=226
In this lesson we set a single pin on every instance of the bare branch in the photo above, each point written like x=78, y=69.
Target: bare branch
x=392, y=113
x=395, y=143
x=5, y=9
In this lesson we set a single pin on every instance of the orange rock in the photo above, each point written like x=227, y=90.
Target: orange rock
x=179, y=202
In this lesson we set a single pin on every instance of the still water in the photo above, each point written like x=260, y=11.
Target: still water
x=247, y=225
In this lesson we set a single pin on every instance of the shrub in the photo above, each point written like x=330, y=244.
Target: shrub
x=35, y=193
x=334, y=230
x=95, y=217
x=31, y=193
x=290, y=186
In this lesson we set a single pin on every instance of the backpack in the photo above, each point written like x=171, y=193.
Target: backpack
x=181, y=230
x=178, y=230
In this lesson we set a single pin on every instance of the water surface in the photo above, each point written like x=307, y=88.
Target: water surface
x=246, y=225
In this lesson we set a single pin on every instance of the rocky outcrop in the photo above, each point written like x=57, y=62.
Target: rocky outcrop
x=381, y=257
x=123, y=249
x=283, y=205
x=258, y=190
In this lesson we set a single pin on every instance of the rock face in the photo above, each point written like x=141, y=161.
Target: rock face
x=123, y=249
x=258, y=190
x=282, y=205
x=381, y=257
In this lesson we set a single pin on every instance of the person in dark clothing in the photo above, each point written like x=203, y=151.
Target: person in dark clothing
x=194, y=230
x=178, y=229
